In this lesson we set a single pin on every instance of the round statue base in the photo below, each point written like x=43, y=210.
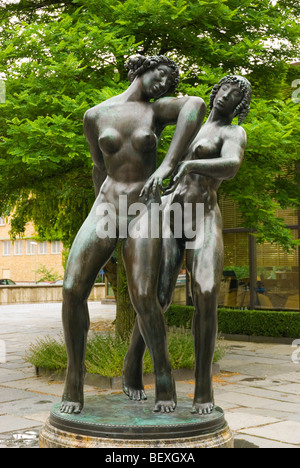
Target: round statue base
x=116, y=422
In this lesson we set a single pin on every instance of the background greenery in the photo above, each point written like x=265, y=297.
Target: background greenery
x=61, y=57
x=106, y=352
x=280, y=324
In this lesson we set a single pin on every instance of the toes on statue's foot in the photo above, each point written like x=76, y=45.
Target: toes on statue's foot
x=202, y=408
x=70, y=407
x=164, y=407
x=135, y=394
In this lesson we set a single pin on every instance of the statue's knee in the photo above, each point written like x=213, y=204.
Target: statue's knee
x=71, y=291
x=144, y=302
x=164, y=300
x=206, y=290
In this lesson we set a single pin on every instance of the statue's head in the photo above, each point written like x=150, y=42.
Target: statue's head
x=160, y=74
x=232, y=95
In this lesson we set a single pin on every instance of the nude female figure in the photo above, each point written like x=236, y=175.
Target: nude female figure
x=216, y=154
x=123, y=133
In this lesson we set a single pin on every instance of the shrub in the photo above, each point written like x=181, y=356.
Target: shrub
x=105, y=353
x=245, y=322
x=260, y=322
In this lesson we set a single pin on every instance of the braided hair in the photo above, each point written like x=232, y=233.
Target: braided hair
x=242, y=110
x=136, y=65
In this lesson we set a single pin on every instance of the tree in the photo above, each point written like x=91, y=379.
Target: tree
x=61, y=57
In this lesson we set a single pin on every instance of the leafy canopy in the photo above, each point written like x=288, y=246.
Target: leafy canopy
x=61, y=57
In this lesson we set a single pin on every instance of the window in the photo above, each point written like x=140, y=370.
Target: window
x=2, y=221
x=6, y=247
x=18, y=246
x=42, y=248
x=55, y=247
x=30, y=248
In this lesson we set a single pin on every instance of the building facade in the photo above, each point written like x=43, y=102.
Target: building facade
x=258, y=276
x=20, y=259
x=255, y=276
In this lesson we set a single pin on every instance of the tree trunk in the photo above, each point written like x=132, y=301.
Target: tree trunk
x=116, y=275
x=110, y=271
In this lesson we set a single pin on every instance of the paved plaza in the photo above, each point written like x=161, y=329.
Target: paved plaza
x=258, y=385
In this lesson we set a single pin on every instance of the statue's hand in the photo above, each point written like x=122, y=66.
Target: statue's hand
x=181, y=171
x=154, y=182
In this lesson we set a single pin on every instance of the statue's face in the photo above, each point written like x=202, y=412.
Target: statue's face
x=228, y=98
x=157, y=81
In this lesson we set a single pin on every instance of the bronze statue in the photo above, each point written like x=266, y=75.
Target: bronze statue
x=123, y=133
x=215, y=155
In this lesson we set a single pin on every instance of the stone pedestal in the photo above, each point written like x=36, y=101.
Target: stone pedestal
x=116, y=422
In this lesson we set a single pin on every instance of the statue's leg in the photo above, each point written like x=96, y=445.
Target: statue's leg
x=142, y=257
x=132, y=374
x=171, y=263
x=88, y=255
x=205, y=266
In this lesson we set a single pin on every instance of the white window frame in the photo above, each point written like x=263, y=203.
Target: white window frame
x=2, y=221
x=18, y=247
x=30, y=248
x=55, y=247
x=7, y=248
x=42, y=248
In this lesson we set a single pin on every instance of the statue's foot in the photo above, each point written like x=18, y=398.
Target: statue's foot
x=135, y=390
x=202, y=408
x=167, y=406
x=70, y=407
x=135, y=394
x=166, y=399
x=72, y=399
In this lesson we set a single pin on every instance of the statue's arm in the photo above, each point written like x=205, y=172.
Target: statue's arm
x=99, y=170
x=223, y=168
x=188, y=114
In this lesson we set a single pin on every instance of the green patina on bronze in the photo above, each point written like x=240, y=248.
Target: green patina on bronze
x=101, y=416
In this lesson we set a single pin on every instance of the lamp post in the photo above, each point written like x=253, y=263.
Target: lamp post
x=35, y=260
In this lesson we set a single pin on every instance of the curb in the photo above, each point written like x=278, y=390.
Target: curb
x=111, y=383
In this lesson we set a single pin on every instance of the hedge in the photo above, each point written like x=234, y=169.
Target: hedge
x=243, y=322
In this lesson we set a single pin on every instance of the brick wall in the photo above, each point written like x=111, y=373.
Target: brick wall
x=17, y=262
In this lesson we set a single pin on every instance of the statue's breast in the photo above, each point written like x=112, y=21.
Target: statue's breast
x=144, y=140
x=110, y=141
x=207, y=149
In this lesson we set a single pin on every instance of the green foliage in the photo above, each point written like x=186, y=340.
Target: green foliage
x=243, y=322
x=268, y=179
x=179, y=316
x=60, y=58
x=260, y=323
x=47, y=352
x=46, y=274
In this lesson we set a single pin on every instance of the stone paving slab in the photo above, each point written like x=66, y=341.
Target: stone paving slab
x=278, y=395
x=32, y=404
x=7, y=375
x=241, y=421
x=239, y=399
x=283, y=431
x=12, y=394
x=266, y=412
x=14, y=423
x=246, y=441
x=258, y=386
